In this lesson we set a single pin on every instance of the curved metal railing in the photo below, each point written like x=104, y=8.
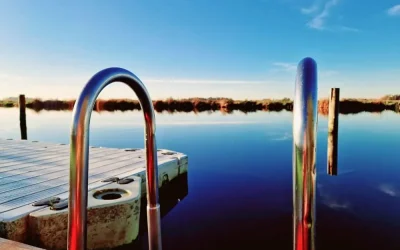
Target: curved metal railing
x=305, y=118
x=79, y=157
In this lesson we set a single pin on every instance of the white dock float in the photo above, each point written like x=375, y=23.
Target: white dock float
x=31, y=171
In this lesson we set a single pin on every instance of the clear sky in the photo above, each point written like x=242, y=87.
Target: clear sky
x=186, y=48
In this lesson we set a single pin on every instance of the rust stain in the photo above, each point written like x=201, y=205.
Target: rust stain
x=15, y=230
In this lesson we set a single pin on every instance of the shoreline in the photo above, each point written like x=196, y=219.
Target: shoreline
x=227, y=105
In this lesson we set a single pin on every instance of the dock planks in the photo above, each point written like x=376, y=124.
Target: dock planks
x=31, y=171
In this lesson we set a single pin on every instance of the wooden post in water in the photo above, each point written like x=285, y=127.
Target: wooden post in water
x=22, y=117
x=333, y=124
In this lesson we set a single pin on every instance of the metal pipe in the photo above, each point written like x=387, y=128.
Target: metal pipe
x=79, y=158
x=305, y=118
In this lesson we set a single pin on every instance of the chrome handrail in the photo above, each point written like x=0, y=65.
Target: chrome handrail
x=305, y=119
x=79, y=157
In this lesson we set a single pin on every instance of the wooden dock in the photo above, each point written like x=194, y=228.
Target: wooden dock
x=31, y=171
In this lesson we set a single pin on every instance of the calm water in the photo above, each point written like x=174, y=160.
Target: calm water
x=240, y=175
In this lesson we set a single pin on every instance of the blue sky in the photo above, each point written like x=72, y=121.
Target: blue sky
x=184, y=48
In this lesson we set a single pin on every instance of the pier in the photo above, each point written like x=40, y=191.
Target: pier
x=34, y=186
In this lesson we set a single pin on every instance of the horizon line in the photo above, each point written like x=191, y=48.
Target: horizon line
x=186, y=98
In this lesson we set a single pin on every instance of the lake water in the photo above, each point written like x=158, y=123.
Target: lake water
x=240, y=175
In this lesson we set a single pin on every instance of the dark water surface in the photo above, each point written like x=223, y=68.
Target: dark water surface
x=240, y=175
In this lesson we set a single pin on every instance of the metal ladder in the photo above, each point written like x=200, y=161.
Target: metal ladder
x=305, y=119
x=79, y=157
x=305, y=116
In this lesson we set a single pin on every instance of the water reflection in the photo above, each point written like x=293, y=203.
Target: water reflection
x=348, y=107
x=284, y=137
x=389, y=189
x=170, y=196
x=240, y=176
x=330, y=199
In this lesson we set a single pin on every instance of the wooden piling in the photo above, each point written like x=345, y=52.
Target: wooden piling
x=333, y=127
x=22, y=117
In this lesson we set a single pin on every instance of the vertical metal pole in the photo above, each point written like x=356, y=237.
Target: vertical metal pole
x=333, y=128
x=22, y=117
x=305, y=116
x=79, y=158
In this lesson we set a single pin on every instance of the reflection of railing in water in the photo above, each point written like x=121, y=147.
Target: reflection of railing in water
x=305, y=116
x=79, y=159
x=170, y=196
